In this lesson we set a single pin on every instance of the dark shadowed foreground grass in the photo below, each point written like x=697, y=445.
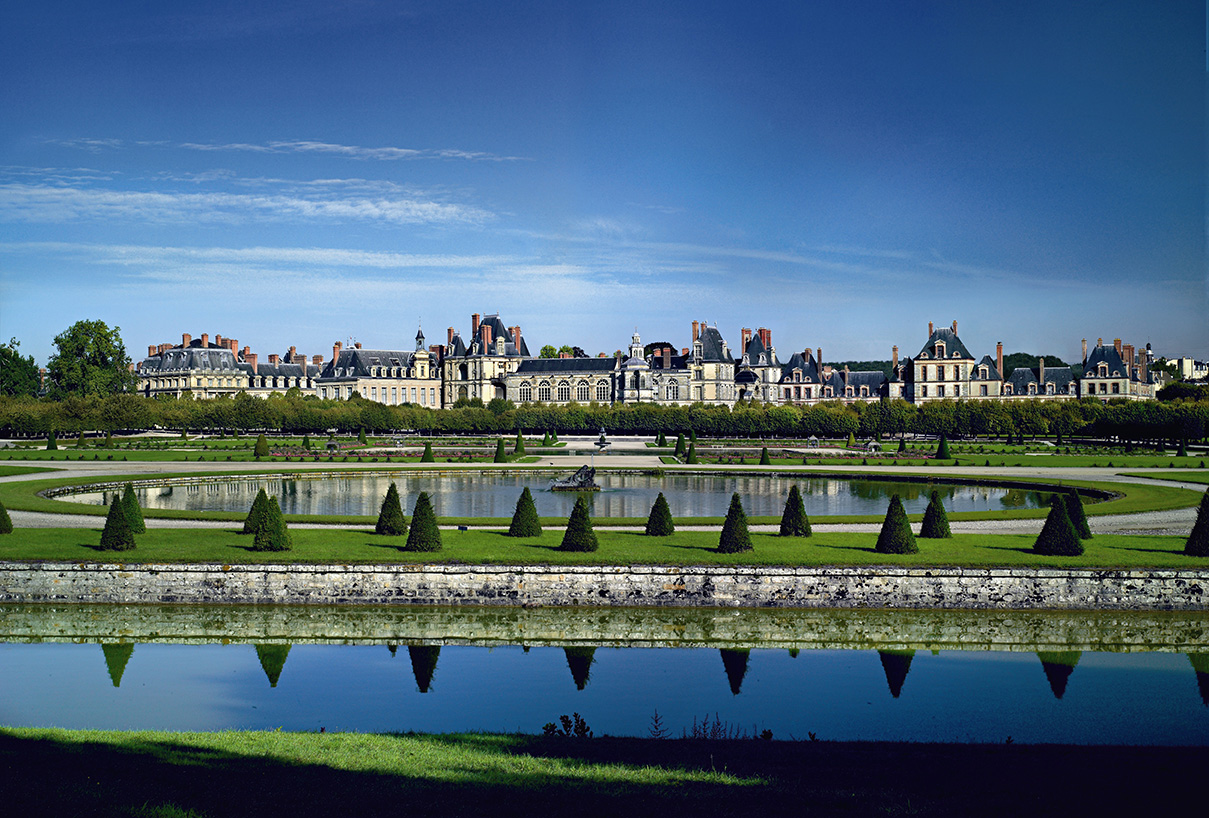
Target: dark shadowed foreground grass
x=481, y=547
x=61, y=772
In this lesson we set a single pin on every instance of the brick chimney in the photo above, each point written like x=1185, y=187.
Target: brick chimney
x=164, y=348
x=218, y=340
x=1116, y=344
x=151, y=351
x=684, y=351
x=564, y=354
x=486, y=336
x=516, y=337
x=252, y=358
x=1041, y=371
x=745, y=336
x=357, y=344
x=930, y=330
x=893, y=357
x=845, y=374
x=317, y=360
x=1145, y=368
x=1128, y=352
x=274, y=359
x=766, y=337
x=336, y=347
x=293, y=354
x=233, y=345
x=449, y=337
x=954, y=326
x=667, y=357
x=696, y=331
x=186, y=339
x=474, y=325
x=999, y=359
x=205, y=340
x=819, y=352
x=1099, y=342
x=245, y=352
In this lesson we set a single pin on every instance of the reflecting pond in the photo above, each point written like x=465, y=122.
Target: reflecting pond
x=915, y=676
x=494, y=494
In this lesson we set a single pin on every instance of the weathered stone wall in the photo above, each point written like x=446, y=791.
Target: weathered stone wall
x=605, y=586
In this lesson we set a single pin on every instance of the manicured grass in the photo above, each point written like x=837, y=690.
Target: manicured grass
x=62, y=772
x=1178, y=476
x=484, y=547
x=8, y=471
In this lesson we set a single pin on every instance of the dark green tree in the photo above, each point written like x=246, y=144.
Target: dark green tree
x=18, y=376
x=896, y=664
x=525, y=522
x=361, y=437
x=661, y=439
x=117, y=535
x=500, y=455
x=274, y=535
x=794, y=522
x=272, y=660
x=734, y=538
x=262, y=446
x=423, y=664
x=519, y=447
x=579, y=535
x=1198, y=540
x=428, y=456
x=81, y=442
x=424, y=534
x=546, y=439
x=90, y=360
x=6, y=522
x=1074, y=509
x=942, y=451
x=735, y=664
x=1058, y=536
x=1058, y=666
x=936, y=521
x=896, y=536
x=579, y=661
x=764, y=459
x=391, y=521
x=659, y=523
x=117, y=655
x=679, y=450
x=691, y=458
x=306, y=442
x=134, y=514
x=51, y=443
x=257, y=514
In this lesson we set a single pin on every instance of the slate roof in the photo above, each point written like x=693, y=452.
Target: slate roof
x=459, y=349
x=357, y=363
x=952, y=344
x=679, y=362
x=755, y=348
x=1060, y=376
x=871, y=378
x=192, y=358
x=992, y=370
x=809, y=367
x=565, y=366
x=711, y=346
x=1117, y=368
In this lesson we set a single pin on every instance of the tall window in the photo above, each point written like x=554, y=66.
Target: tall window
x=526, y=392
x=673, y=390
x=543, y=391
x=564, y=392
x=602, y=391
x=582, y=393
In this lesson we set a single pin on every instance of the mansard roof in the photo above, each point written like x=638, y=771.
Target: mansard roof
x=565, y=366
x=357, y=363
x=711, y=346
x=192, y=358
x=1117, y=367
x=873, y=379
x=992, y=370
x=459, y=349
x=809, y=367
x=755, y=348
x=1060, y=376
x=954, y=348
x=677, y=361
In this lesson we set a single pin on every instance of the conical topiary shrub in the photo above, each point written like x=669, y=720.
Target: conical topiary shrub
x=6, y=522
x=262, y=446
x=428, y=456
x=735, y=537
x=902, y=445
x=272, y=661
x=306, y=442
x=361, y=437
x=764, y=459
x=735, y=664
x=423, y=664
x=424, y=534
x=274, y=535
x=1074, y=508
x=936, y=521
x=519, y=447
x=1058, y=666
x=81, y=442
x=678, y=451
x=500, y=455
x=661, y=439
x=579, y=535
x=942, y=451
x=546, y=439
x=524, y=519
x=117, y=655
x=117, y=535
x=134, y=514
x=1058, y=536
x=659, y=523
x=896, y=536
x=691, y=457
x=1198, y=541
x=391, y=522
x=851, y=440
x=51, y=443
x=257, y=514
x=794, y=522
x=896, y=664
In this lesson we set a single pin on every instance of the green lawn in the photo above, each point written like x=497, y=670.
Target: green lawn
x=1178, y=476
x=194, y=775
x=484, y=547
x=8, y=471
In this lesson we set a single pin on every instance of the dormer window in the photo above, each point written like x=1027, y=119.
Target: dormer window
x=940, y=349
x=1102, y=370
x=982, y=373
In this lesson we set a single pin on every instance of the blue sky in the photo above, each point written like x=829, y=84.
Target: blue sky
x=840, y=172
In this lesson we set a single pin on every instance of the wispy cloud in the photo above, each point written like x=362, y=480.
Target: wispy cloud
x=295, y=146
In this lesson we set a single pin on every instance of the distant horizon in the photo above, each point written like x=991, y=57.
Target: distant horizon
x=296, y=173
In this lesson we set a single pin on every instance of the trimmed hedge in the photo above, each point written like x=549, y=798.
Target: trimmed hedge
x=579, y=535
x=659, y=523
x=896, y=536
x=424, y=534
x=936, y=521
x=1074, y=508
x=391, y=522
x=794, y=522
x=257, y=514
x=117, y=535
x=1058, y=537
x=273, y=535
x=134, y=514
x=525, y=522
x=735, y=537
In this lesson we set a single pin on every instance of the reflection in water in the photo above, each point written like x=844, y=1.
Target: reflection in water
x=896, y=664
x=1200, y=663
x=580, y=660
x=1058, y=666
x=735, y=662
x=423, y=664
x=272, y=660
x=494, y=494
x=116, y=657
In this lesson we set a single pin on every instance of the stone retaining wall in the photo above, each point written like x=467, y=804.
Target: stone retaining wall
x=638, y=586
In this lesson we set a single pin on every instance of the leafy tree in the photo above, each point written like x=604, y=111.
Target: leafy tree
x=428, y=456
x=18, y=376
x=734, y=538
x=273, y=535
x=1058, y=536
x=942, y=451
x=659, y=523
x=896, y=536
x=262, y=446
x=391, y=521
x=1074, y=508
x=936, y=521
x=548, y=351
x=89, y=360
x=272, y=661
x=6, y=522
x=794, y=522
x=134, y=514
x=579, y=535
x=51, y=443
x=525, y=522
x=764, y=459
x=519, y=447
x=117, y=535
x=1198, y=540
x=501, y=456
x=257, y=514
x=424, y=534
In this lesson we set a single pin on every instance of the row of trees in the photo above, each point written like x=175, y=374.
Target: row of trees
x=293, y=413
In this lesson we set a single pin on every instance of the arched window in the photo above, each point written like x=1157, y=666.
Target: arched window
x=582, y=393
x=828, y=392
x=564, y=392
x=673, y=390
x=526, y=392
x=848, y=391
x=864, y=391
x=543, y=391
x=1049, y=389
x=602, y=391
x=1032, y=389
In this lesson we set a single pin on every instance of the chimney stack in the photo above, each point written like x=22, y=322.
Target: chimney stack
x=930, y=330
x=357, y=344
x=1145, y=369
x=893, y=357
x=564, y=355
x=819, y=362
x=667, y=357
x=486, y=336
x=205, y=340
x=1099, y=342
x=1041, y=371
x=1085, y=350
x=186, y=339
x=151, y=351
x=1116, y=344
x=252, y=358
x=317, y=360
x=516, y=338
x=245, y=352
x=745, y=335
x=474, y=325
x=766, y=337
x=449, y=337
x=219, y=342
x=954, y=326
x=684, y=352
x=696, y=331
x=293, y=354
x=336, y=347
x=999, y=360
x=274, y=359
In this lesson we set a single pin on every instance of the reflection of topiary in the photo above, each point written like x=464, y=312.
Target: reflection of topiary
x=659, y=523
x=1198, y=539
x=1058, y=536
x=424, y=535
x=257, y=514
x=734, y=538
x=936, y=521
x=942, y=451
x=579, y=535
x=580, y=660
x=391, y=521
x=428, y=456
x=896, y=536
x=735, y=663
x=272, y=660
x=423, y=664
x=1200, y=664
x=500, y=455
x=6, y=522
x=896, y=664
x=273, y=535
x=764, y=459
x=1058, y=666
x=525, y=522
x=117, y=655
x=117, y=535
x=134, y=514
x=794, y=522
x=262, y=446
x=1074, y=508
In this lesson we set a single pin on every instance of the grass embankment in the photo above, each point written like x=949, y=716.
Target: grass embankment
x=479, y=547
x=9, y=471
x=190, y=775
x=1176, y=476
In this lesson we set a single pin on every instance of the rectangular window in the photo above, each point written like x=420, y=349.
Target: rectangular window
x=413, y=395
x=940, y=391
x=432, y=397
x=923, y=392
x=956, y=391
x=373, y=393
x=982, y=390
x=1116, y=388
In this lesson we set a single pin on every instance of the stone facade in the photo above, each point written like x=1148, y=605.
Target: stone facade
x=662, y=586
